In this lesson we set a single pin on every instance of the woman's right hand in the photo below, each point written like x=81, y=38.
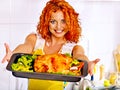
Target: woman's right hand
x=8, y=53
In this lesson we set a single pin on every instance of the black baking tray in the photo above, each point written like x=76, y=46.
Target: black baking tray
x=46, y=76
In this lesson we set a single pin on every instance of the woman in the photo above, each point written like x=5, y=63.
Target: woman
x=58, y=31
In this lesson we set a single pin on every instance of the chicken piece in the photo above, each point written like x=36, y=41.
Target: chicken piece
x=52, y=63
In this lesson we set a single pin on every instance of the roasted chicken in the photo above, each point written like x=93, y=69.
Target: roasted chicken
x=56, y=63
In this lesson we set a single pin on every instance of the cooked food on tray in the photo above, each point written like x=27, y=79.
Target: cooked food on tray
x=57, y=63
x=50, y=63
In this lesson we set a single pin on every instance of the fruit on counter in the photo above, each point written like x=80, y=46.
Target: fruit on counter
x=88, y=88
x=106, y=83
x=112, y=78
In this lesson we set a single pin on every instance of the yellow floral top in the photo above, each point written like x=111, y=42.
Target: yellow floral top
x=37, y=84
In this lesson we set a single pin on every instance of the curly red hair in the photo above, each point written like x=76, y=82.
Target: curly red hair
x=70, y=15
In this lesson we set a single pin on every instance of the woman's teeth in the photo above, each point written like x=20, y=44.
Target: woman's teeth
x=58, y=31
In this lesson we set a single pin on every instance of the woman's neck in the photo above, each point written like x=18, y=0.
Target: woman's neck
x=55, y=41
x=54, y=45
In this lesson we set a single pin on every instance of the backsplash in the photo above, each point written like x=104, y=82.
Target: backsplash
x=99, y=20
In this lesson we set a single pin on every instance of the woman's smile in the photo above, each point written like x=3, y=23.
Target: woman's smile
x=58, y=31
x=57, y=24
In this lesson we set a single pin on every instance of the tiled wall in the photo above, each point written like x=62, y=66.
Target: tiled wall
x=4, y=36
x=100, y=23
x=17, y=20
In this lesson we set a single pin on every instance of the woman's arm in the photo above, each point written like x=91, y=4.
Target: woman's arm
x=78, y=53
x=27, y=46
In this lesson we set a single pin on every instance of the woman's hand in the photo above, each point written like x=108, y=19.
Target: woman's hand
x=8, y=53
x=91, y=65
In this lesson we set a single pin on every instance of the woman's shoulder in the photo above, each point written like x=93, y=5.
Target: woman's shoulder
x=35, y=35
x=31, y=39
x=31, y=36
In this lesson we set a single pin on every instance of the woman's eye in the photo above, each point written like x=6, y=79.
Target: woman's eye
x=52, y=21
x=63, y=21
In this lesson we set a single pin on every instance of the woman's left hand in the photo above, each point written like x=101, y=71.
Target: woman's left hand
x=91, y=65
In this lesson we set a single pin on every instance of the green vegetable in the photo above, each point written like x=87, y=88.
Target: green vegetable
x=24, y=63
x=74, y=62
x=71, y=73
x=68, y=54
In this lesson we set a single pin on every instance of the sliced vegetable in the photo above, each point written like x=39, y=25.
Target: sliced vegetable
x=74, y=62
x=24, y=63
x=68, y=54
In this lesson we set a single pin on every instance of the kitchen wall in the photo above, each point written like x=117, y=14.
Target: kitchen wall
x=99, y=20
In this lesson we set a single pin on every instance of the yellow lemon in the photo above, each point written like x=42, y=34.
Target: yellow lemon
x=106, y=83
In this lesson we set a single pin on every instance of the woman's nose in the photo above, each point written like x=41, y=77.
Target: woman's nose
x=59, y=25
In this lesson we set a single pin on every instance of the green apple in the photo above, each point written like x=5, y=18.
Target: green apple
x=88, y=88
x=106, y=83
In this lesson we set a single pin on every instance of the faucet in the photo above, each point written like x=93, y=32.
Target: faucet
x=83, y=84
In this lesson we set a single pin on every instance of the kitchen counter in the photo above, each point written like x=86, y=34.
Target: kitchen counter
x=106, y=88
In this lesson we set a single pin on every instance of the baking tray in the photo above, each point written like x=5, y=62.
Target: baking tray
x=46, y=76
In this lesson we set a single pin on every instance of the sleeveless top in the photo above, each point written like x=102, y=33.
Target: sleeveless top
x=37, y=84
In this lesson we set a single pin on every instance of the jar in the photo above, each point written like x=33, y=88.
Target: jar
x=113, y=78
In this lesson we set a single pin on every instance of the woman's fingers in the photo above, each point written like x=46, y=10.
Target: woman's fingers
x=96, y=60
x=4, y=59
x=8, y=53
x=7, y=48
x=91, y=66
x=90, y=72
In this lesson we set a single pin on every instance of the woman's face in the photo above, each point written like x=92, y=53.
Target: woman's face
x=57, y=24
